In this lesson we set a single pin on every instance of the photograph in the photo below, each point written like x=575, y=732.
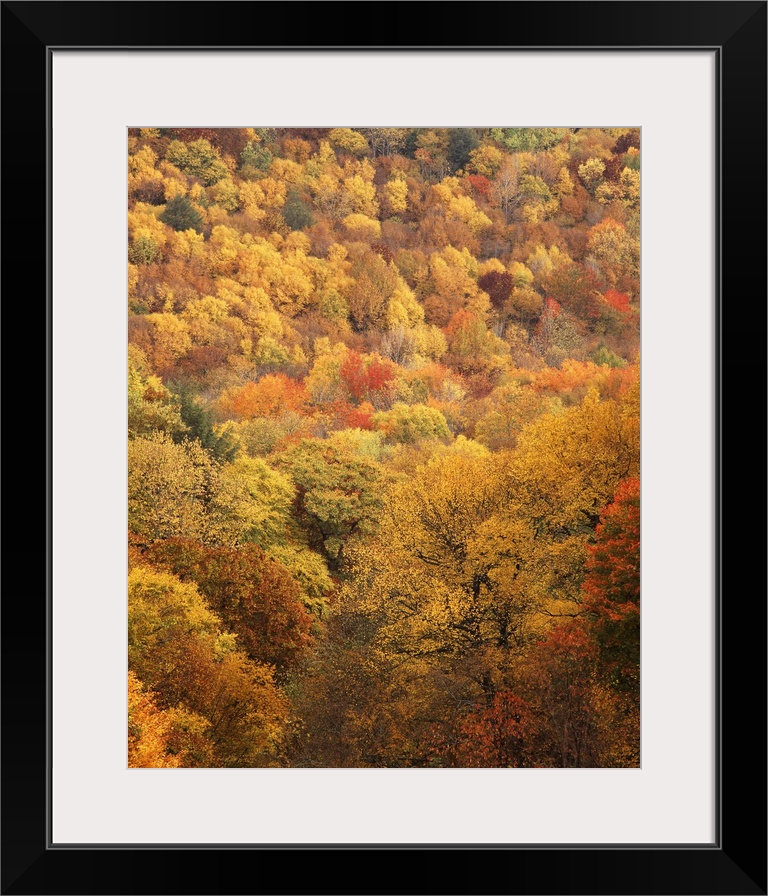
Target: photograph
x=384, y=447
x=354, y=358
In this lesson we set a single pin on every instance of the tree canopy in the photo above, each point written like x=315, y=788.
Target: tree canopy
x=384, y=447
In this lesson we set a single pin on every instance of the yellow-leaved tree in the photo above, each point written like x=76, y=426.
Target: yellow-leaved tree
x=178, y=648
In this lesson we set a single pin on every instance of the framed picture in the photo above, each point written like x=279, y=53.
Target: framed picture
x=77, y=77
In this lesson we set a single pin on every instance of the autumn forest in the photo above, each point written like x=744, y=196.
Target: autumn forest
x=384, y=447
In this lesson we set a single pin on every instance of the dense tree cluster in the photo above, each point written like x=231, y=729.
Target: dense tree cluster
x=383, y=417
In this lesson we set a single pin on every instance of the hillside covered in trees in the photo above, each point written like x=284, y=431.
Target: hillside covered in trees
x=384, y=447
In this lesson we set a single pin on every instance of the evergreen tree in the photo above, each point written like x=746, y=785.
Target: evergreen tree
x=461, y=142
x=199, y=422
x=295, y=212
x=180, y=214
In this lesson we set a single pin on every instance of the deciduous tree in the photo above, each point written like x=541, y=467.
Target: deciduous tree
x=338, y=495
x=255, y=596
x=177, y=647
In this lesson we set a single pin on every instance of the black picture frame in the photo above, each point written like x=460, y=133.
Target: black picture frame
x=736, y=862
